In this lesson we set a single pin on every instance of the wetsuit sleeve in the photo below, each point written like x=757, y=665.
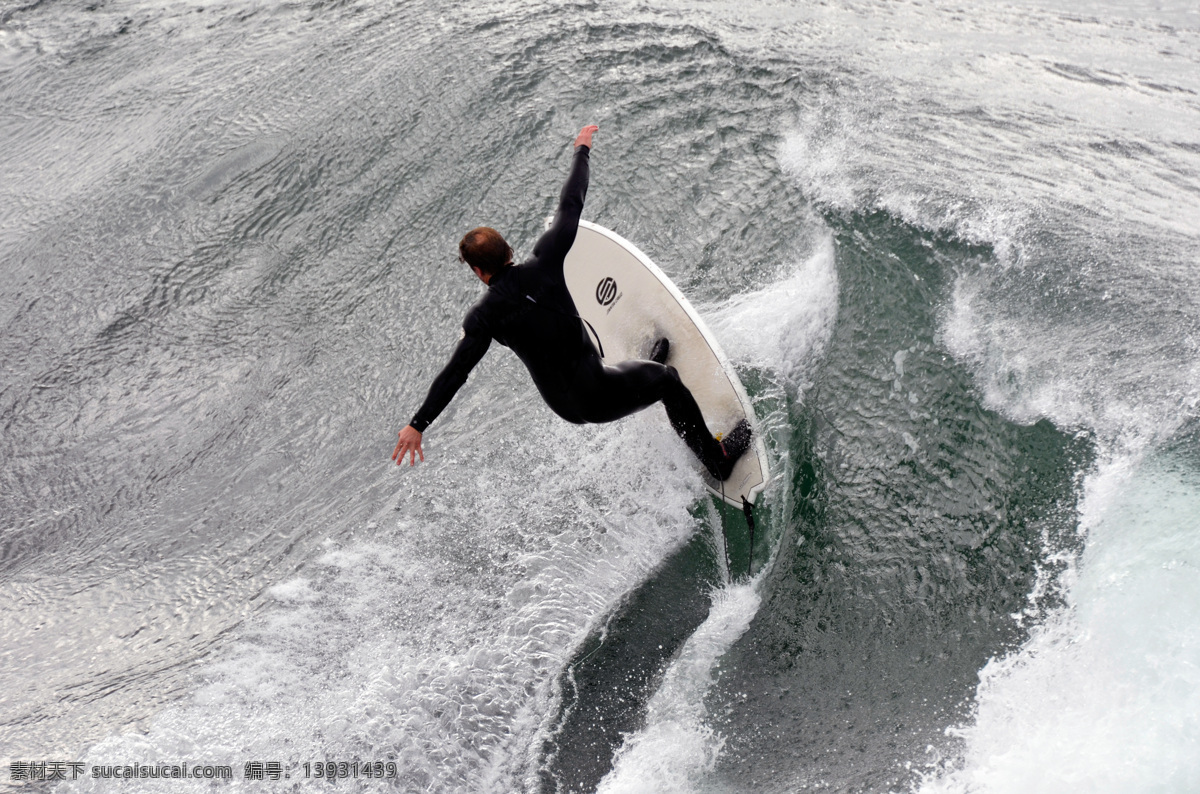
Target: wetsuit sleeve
x=552, y=247
x=468, y=353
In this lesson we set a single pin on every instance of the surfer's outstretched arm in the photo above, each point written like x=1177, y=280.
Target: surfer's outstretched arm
x=409, y=445
x=469, y=352
x=552, y=247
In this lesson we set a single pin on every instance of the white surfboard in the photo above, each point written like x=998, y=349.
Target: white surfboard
x=630, y=303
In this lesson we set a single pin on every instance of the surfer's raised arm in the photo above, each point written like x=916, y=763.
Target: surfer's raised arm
x=584, y=138
x=551, y=248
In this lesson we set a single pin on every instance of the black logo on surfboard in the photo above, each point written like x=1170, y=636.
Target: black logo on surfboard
x=606, y=291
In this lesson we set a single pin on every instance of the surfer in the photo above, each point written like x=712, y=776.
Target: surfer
x=527, y=308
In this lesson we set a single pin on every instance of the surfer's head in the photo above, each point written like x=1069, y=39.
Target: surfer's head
x=485, y=250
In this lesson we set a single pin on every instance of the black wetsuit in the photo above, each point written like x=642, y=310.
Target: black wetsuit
x=527, y=308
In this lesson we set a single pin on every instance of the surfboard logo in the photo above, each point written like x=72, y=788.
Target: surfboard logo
x=606, y=291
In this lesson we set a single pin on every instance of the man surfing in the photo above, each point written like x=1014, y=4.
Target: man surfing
x=528, y=309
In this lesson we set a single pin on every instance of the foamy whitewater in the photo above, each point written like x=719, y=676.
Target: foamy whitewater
x=1110, y=681
x=952, y=250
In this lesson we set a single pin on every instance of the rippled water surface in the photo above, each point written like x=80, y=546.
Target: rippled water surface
x=952, y=251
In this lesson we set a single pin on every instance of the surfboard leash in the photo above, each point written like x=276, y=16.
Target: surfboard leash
x=724, y=533
x=748, y=511
x=577, y=316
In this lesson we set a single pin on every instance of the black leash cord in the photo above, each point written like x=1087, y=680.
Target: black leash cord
x=577, y=316
x=748, y=510
x=599, y=344
x=725, y=535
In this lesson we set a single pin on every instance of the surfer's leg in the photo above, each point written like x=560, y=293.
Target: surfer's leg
x=611, y=393
x=687, y=420
x=718, y=457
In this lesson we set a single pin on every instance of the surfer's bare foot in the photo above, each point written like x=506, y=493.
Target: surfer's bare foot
x=660, y=351
x=733, y=446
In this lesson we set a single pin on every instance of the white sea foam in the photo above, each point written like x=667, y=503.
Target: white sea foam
x=785, y=326
x=1105, y=695
x=435, y=639
x=1131, y=390
x=677, y=747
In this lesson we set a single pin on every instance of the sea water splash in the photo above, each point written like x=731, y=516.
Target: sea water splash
x=1102, y=696
x=784, y=326
x=1132, y=389
x=433, y=640
x=677, y=748
x=1105, y=695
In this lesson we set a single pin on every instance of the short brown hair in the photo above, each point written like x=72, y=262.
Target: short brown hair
x=483, y=247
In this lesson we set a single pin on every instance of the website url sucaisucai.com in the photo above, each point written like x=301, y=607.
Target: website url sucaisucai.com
x=145, y=771
x=74, y=770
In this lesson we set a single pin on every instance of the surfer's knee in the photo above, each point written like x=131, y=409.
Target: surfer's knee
x=671, y=376
x=670, y=387
x=657, y=379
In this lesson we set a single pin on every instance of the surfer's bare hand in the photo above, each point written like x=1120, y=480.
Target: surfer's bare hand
x=585, y=135
x=409, y=444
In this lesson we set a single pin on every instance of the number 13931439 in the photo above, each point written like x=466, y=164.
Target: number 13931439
x=337, y=770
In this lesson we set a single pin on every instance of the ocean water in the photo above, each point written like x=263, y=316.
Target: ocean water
x=952, y=248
